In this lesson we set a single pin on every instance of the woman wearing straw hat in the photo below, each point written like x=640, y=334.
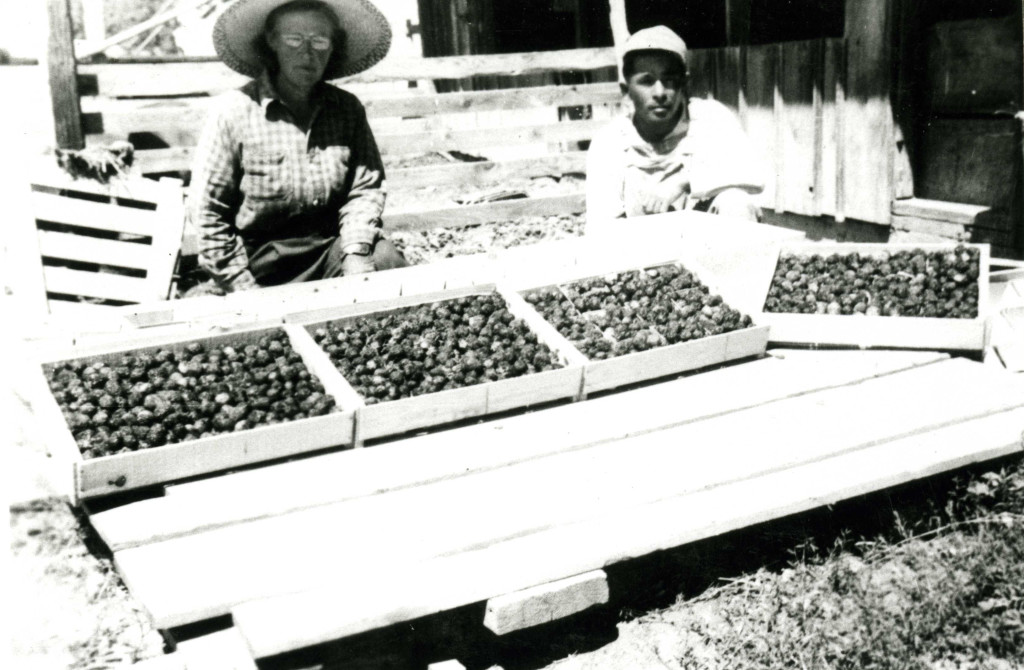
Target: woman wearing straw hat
x=288, y=184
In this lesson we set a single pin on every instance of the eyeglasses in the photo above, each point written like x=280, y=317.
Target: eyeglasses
x=317, y=42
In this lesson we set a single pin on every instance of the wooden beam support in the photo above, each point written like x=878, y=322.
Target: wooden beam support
x=620, y=29
x=545, y=603
x=60, y=61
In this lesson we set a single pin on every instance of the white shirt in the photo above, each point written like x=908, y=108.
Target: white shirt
x=710, y=150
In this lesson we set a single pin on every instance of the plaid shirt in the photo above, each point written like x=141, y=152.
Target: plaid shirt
x=256, y=169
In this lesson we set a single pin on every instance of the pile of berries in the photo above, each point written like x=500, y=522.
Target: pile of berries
x=147, y=399
x=903, y=283
x=636, y=311
x=433, y=347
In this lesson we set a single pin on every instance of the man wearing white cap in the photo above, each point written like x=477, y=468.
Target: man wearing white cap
x=672, y=152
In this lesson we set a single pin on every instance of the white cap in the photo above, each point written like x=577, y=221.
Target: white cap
x=658, y=38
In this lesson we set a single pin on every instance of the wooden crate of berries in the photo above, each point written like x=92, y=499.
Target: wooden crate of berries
x=645, y=323
x=432, y=359
x=916, y=296
x=134, y=417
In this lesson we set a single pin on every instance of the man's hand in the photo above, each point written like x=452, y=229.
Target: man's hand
x=354, y=264
x=661, y=198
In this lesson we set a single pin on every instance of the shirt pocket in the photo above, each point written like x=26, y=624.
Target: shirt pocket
x=335, y=165
x=264, y=176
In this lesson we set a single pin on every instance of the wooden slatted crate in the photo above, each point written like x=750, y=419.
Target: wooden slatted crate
x=909, y=332
x=89, y=478
x=433, y=409
x=663, y=361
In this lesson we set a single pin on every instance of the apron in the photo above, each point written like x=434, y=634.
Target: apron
x=305, y=255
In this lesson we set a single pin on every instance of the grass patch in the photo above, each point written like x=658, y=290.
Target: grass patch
x=946, y=591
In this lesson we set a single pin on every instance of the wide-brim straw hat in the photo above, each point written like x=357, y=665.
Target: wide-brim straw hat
x=368, y=35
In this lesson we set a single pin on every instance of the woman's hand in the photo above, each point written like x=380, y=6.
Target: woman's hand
x=354, y=264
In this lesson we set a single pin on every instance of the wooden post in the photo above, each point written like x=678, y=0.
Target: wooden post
x=620, y=29
x=60, y=61
x=92, y=20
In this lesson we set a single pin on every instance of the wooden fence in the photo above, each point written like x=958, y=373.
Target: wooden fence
x=785, y=95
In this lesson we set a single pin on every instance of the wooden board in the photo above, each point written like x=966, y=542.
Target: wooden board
x=547, y=602
x=198, y=576
x=146, y=467
x=489, y=172
x=353, y=603
x=242, y=496
x=865, y=332
x=505, y=210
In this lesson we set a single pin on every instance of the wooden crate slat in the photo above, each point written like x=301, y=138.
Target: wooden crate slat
x=492, y=211
x=320, y=364
x=489, y=171
x=383, y=596
x=96, y=215
x=96, y=285
x=94, y=250
x=334, y=477
x=478, y=101
x=458, y=67
x=210, y=576
x=480, y=138
x=174, y=159
x=169, y=78
x=77, y=311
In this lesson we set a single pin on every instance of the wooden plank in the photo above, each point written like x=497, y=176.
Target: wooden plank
x=548, y=602
x=175, y=159
x=93, y=250
x=481, y=138
x=505, y=210
x=197, y=76
x=478, y=101
x=350, y=604
x=210, y=575
x=97, y=215
x=489, y=172
x=319, y=364
x=458, y=67
x=78, y=311
x=95, y=284
x=207, y=504
x=728, y=76
x=178, y=121
x=868, y=142
x=760, y=116
x=60, y=63
x=170, y=213
x=952, y=212
x=802, y=68
x=22, y=270
x=223, y=650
